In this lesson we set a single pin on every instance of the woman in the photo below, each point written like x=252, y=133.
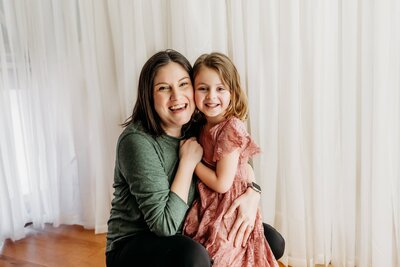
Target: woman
x=153, y=174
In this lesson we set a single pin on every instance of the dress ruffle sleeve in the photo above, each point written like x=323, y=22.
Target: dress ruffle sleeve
x=232, y=135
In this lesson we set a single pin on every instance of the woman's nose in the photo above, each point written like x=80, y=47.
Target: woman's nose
x=175, y=93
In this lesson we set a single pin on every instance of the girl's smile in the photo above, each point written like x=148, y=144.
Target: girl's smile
x=212, y=95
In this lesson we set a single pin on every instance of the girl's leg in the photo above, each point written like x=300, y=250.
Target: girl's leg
x=151, y=250
x=275, y=240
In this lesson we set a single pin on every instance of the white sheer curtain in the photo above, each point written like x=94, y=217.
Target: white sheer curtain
x=59, y=114
x=323, y=83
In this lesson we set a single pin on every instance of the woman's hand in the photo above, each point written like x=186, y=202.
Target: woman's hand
x=190, y=150
x=190, y=154
x=247, y=205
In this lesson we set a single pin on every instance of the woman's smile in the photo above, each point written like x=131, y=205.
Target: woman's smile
x=173, y=97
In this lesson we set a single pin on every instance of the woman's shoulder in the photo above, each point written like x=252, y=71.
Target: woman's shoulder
x=134, y=132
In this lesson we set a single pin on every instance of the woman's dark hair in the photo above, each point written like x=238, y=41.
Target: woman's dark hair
x=144, y=110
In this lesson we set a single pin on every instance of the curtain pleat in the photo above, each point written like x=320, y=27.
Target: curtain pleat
x=322, y=80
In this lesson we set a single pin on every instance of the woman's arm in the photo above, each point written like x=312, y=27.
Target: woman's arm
x=250, y=173
x=190, y=154
x=221, y=179
x=247, y=206
x=163, y=206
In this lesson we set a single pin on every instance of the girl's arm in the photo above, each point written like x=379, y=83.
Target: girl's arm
x=221, y=179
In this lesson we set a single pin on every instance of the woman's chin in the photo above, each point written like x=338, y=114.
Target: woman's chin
x=183, y=119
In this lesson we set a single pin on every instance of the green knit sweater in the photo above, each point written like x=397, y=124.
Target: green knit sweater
x=144, y=170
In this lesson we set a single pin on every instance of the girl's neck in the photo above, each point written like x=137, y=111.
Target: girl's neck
x=211, y=122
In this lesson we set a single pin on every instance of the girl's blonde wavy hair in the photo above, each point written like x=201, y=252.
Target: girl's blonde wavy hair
x=230, y=76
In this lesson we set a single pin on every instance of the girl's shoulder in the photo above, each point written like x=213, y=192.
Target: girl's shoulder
x=232, y=124
x=235, y=123
x=229, y=128
x=232, y=134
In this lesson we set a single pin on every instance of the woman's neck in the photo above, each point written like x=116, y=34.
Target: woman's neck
x=174, y=132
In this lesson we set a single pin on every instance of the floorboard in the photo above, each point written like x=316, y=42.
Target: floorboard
x=67, y=245
x=64, y=246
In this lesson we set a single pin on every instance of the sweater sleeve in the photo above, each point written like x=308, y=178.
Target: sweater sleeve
x=141, y=165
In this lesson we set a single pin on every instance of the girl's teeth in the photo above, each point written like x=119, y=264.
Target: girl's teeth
x=211, y=105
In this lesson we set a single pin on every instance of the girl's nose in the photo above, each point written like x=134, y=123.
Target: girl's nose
x=211, y=94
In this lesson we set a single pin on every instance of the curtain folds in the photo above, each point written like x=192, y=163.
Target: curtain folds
x=61, y=118
x=322, y=79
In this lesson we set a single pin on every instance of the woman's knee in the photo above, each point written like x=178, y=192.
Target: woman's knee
x=275, y=240
x=191, y=253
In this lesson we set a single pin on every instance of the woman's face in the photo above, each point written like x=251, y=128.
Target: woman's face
x=173, y=97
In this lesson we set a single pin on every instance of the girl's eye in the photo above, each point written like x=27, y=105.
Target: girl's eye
x=221, y=89
x=201, y=89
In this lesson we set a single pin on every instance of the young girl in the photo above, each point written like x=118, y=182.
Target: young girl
x=223, y=173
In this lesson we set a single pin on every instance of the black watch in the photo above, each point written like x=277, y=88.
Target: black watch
x=255, y=187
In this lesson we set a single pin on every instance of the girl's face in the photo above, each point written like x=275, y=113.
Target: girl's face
x=173, y=97
x=212, y=95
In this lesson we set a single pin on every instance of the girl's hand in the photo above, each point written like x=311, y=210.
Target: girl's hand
x=190, y=150
x=247, y=205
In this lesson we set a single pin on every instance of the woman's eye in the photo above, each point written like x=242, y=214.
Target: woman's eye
x=163, y=88
x=184, y=84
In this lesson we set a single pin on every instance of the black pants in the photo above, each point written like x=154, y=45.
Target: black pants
x=178, y=251
x=275, y=240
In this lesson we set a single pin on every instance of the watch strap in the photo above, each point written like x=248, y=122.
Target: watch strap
x=254, y=186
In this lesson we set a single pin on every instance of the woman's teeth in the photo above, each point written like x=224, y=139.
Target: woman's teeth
x=179, y=106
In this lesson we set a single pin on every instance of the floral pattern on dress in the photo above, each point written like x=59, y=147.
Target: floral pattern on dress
x=205, y=222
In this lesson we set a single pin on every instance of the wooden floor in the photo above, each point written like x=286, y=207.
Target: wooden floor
x=64, y=246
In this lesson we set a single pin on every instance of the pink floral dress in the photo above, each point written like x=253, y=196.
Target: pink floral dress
x=205, y=223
